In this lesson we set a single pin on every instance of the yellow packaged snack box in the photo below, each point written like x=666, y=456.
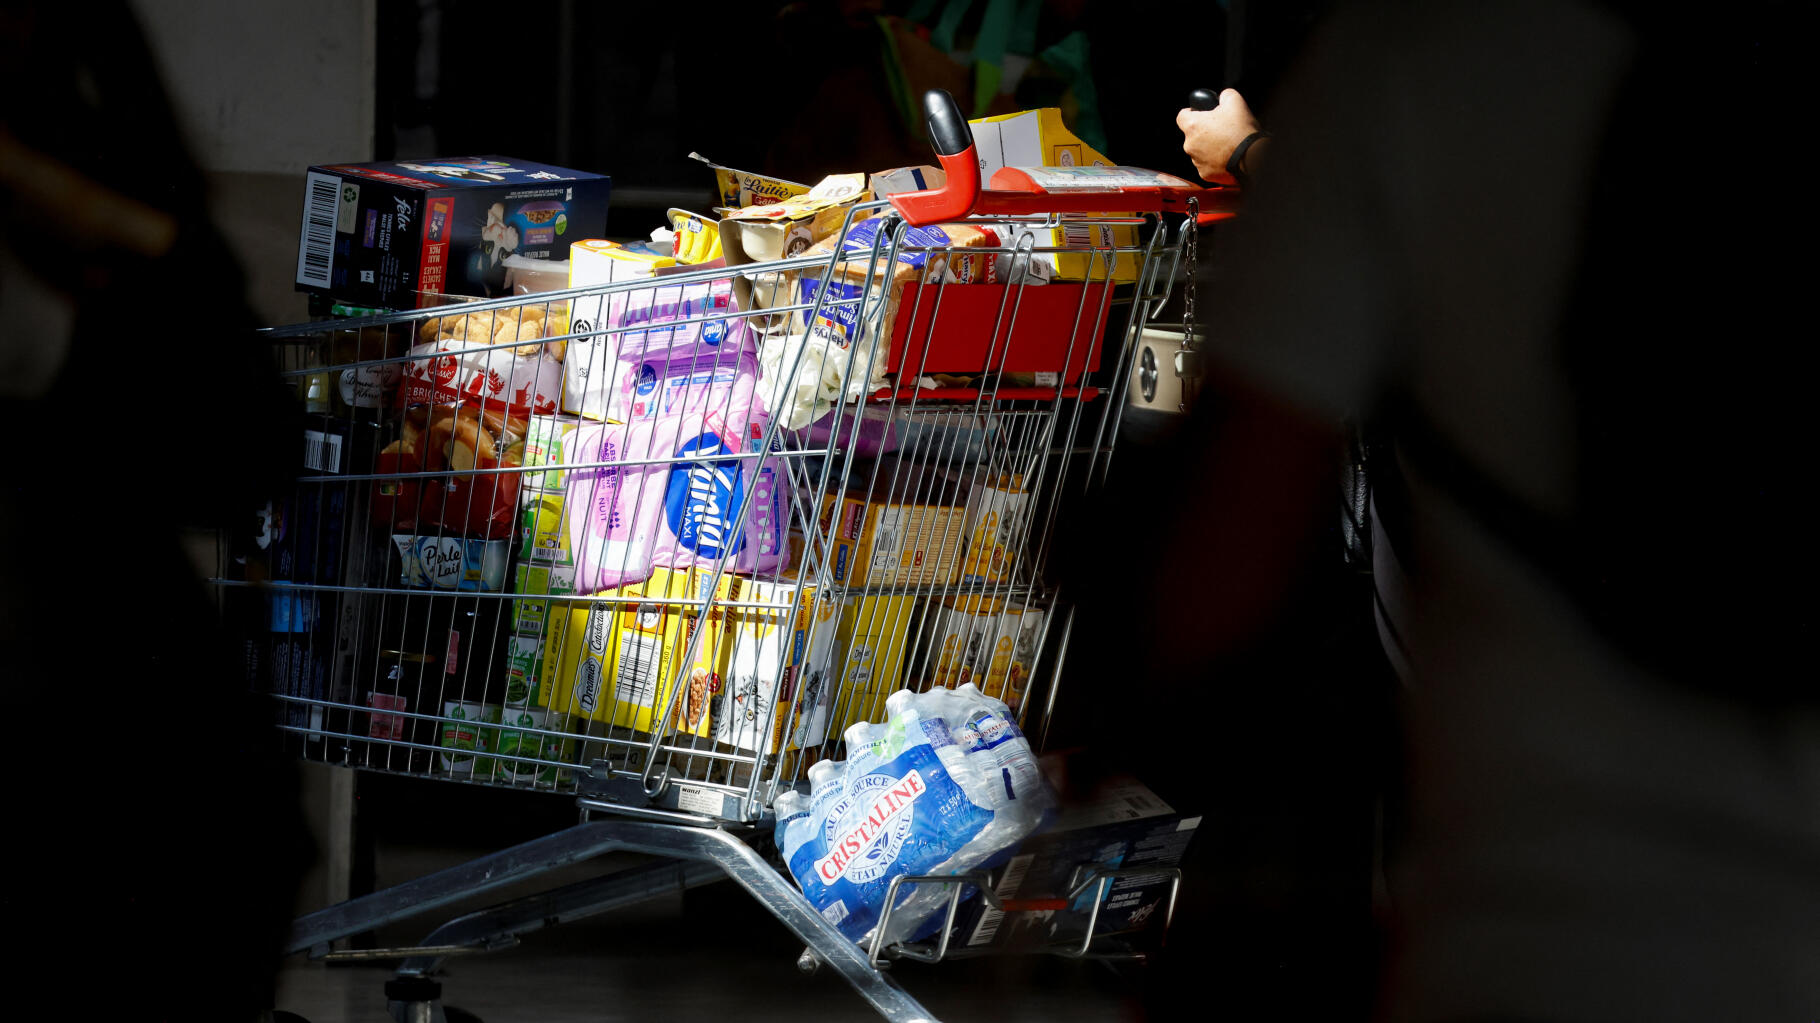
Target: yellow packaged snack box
x=873, y=635
x=616, y=663
x=1038, y=138
x=777, y=694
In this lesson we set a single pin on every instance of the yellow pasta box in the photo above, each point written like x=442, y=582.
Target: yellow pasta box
x=873, y=635
x=777, y=693
x=1038, y=138
x=617, y=662
x=985, y=641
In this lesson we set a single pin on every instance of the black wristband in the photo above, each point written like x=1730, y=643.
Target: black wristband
x=1238, y=157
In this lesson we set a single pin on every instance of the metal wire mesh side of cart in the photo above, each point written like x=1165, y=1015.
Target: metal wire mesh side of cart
x=781, y=492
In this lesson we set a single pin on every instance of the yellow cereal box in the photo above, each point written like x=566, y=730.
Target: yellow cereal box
x=616, y=663
x=871, y=642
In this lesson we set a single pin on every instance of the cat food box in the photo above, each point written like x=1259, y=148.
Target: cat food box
x=386, y=235
x=777, y=693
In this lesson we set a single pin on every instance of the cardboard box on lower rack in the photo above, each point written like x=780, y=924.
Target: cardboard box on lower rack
x=616, y=662
x=777, y=653
x=1123, y=826
x=872, y=640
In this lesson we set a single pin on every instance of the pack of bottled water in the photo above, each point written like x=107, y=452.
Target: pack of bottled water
x=946, y=784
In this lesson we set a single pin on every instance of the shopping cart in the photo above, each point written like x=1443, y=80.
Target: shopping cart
x=834, y=475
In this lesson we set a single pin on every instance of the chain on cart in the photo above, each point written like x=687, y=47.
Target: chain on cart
x=670, y=541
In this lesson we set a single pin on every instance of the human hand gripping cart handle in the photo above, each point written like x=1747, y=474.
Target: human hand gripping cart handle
x=1026, y=191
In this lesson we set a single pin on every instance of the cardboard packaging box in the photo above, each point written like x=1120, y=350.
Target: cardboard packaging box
x=873, y=638
x=542, y=540
x=616, y=664
x=775, y=653
x=534, y=614
x=990, y=643
x=881, y=543
x=1124, y=826
x=997, y=512
x=1038, y=138
x=385, y=234
x=544, y=452
x=779, y=230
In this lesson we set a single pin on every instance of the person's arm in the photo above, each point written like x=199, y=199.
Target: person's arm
x=1211, y=137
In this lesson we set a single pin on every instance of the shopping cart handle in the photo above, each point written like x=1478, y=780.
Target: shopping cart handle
x=953, y=142
x=1203, y=99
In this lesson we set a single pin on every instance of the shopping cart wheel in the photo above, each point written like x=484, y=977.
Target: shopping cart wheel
x=419, y=1000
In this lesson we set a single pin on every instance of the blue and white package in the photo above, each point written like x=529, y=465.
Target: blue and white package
x=678, y=318
x=908, y=815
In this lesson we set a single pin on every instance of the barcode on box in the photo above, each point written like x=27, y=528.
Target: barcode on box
x=1008, y=885
x=321, y=451
x=636, y=680
x=316, y=252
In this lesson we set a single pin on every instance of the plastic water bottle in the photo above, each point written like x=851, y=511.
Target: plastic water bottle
x=826, y=786
x=991, y=729
x=865, y=748
x=792, y=809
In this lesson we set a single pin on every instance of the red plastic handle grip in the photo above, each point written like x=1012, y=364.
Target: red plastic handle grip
x=954, y=147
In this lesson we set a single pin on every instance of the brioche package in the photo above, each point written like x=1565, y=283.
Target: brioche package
x=997, y=515
x=617, y=663
x=451, y=439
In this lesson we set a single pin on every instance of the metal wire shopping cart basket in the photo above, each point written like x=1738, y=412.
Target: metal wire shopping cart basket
x=786, y=490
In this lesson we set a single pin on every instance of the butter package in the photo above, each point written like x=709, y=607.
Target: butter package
x=1038, y=138
x=777, y=694
x=738, y=189
x=541, y=536
x=533, y=612
x=997, y=513
x=881, y=543
x=617, y=663
x=926, y=255
x=872, y=640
